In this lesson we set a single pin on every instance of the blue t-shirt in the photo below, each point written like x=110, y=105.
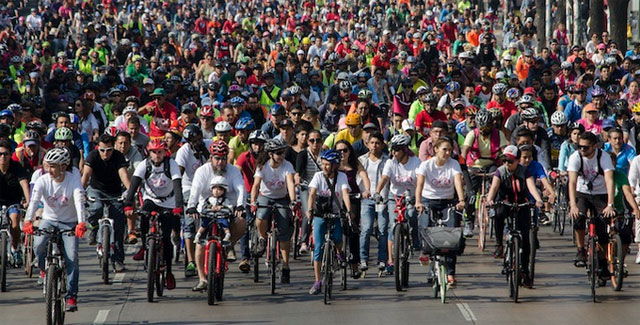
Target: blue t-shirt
x=536, y=170
x=624, y=158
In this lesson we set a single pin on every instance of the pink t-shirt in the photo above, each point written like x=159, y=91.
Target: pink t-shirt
x=595, y=128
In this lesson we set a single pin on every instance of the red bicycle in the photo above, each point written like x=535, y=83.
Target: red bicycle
x=215, y=257
x=402, y=242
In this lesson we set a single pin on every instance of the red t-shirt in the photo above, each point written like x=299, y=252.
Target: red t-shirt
x=161, y=118
x=507, y=107
x=424, y=120
x=247, y=164
x=378, y=62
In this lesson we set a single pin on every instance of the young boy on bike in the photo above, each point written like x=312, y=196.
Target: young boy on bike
x=218, y=201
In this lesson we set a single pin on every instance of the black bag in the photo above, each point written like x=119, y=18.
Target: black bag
x=442, y=240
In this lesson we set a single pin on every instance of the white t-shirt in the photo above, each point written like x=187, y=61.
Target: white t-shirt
x=62, y=202
x=401, y=177
x=158, y=187
x=274, y=181
x=88, y=125
x=372, y=172
x=438, y=182
x=201, y=185
x=590, y=170
x=186, y=159
x=319, y=182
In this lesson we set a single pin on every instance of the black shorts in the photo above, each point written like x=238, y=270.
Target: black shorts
x=594, y=205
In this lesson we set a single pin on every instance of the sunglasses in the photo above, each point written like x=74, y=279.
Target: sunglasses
x=4, y=154
x=510, y=161
x=156, y=152
x=218, y=158
x=584, y=147
x=345, y=150
x=105, y=149
x=314, y=140
x=295, y=113
x=279, y=152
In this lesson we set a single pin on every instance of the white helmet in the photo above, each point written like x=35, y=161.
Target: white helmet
x=400, y=140
x=57, y=156
x=223, y=126
x=219, y=181
x=559, y=118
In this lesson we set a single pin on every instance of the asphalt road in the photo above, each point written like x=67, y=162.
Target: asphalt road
x=561, y=296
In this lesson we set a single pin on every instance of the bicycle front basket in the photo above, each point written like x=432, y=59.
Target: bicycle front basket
x=442, y=240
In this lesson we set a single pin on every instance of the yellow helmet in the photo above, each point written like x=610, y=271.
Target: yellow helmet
x=306, y=40
x=636, y=108
x=353, y=119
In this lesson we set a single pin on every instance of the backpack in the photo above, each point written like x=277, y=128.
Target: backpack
x=167, y=172
x=600, y=170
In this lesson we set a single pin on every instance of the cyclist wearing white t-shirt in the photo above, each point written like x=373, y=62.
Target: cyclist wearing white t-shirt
x=159, y=178
x=273, y=184
x=439, y=184
x=62, y=196
x=400, y=172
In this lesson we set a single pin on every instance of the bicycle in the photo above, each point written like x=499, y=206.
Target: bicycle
x=5, y=226
x=560, y=207
x=592, y=265
x=330, y=259
x=105, y=230
x=254, y=236
x=215, y=261
x=512, y=263
x=482, y=214
x=533, y=243
x=154, y=256
x=29, y=255
x=55, y=285
x=616, y=251
x=402, y=241
x=297, y=227
x=273, y=246
x=346, y=246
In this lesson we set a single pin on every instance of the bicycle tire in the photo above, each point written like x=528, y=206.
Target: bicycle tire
x=515, y=268
x=296, y=239
x=211, y=274
x=436, y=283
x=151, y=265
x=443, y=284
x=50, y=295
x=256, y=258
x=59, y=299
x=397, y=251
x=28, y=256
x=273, y=251
x=506, y=264
x=343, y=266
x=405, y=259
x=480, y=217
x=4, y=260
x=533, y=235
x=327, y=272
x=615, y=255
x=160, y=278
x=593, y=266
x=106, y=246
x=220, y=284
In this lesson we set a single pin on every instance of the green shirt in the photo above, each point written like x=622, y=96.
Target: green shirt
x=620, y=180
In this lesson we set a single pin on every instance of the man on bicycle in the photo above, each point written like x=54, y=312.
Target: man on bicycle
x=481, y=149
x=160, y=179
x=62, y=196
x=105, y=171
x=591, y=190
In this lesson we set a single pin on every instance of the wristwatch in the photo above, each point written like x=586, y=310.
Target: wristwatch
x=610, y=205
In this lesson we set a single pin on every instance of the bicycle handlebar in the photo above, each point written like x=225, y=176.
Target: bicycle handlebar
x=105, y=199
x=513, y=205
x=220, y=214
x=54, y=231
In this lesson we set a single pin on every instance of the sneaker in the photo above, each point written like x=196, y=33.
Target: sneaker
x=190, y=270
x=286, y=277
x=340, y=258
x=244, y=266
x=468, y=230
x=580, y=260
x=389, y=269
x=638, y=257
x=382, y=266
x=424, y=260
x=201, y=285
x=304, y=249
x=139, y=256
x=227, y=238
x=355, y=272
x=363, y=266
x=526, y=280
x=17, y=258
x=170, y=281
x=41, y=278
x=132, y=239
x=544, y=220
x=231, y=254
x=497, y=253
x=93, y=236
x=72, y=304
x=262, y=246
x=602, y=282
x=316, y=288
x=118, y=267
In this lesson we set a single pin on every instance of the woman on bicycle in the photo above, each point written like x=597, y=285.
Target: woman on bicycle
x=273, y=186
x=569, y=146
x=307, y=165
x=513, y=183
x=327, y=188
x=353, y=169
x=400, y=172
x=439, y=184
x=62, y=196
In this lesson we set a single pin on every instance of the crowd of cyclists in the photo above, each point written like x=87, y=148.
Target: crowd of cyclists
x=321, y=107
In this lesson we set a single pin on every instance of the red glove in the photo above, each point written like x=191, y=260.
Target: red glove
x=27, y=227
x=128, y=208
x=254, y=208
x=178, y=211
x=81, y=228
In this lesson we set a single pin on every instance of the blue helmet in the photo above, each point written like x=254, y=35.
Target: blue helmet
x=597, y=92
x=237, y=101
x=452, y=86
x=332, y=156
x=245, y=124
x=6, y=113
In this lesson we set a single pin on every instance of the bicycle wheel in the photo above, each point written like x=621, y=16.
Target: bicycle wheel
x=533, y=235
x=506, y=268
x=220, y=284
x=160, y=278
x=296, y=238
x=443, y=282
x=592, y=261
x=106, y=246
x=4, y=242
x=151, y=268
x=273, y=251
x=345, y=264
x=28, y=256
x=256, y=258
x=50, y=295
x=327, y=271
x=405, y=259
x=397, y=253
x=436, y=274
x=615, y=256
x=481, y=215
x=60, y=288
x=515, y=267
x=211, y=274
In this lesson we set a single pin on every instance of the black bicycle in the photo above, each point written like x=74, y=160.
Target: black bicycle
x=154, y=257
x=5, y=225
x=55, y=285
x=106, y=237
x=561, y=206
x=330, y=260
x=273, y=246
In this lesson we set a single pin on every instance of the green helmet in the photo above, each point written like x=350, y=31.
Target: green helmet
x=63, y=134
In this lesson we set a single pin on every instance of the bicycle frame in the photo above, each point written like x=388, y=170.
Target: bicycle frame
x=214, y=238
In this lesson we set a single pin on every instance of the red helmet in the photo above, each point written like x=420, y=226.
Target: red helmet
x=156, y=144
x=207, y=111
x=219, y=148
x=112, y=131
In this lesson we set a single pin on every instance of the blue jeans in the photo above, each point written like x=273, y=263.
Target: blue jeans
x=442, y=207
x=116, y=213
x=188, y=223
x=70, y=244
x=306, y=226
x=319, y=230
x=368, y=214
x=411, y=214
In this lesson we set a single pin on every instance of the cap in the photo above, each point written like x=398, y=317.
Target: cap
x=285, y=123
x=278, y=110
x=457, y=102
x=369, y=126
x=241, y=73
x=529, y=90
x=148, y=81
x=343, y=76
x=590, y=108
x=158, y=92
x=510, y=152
x=527, y=52
x=601, y=46
x=300, y=52
x=608, y=124
x=31, y=142
x=408, y=124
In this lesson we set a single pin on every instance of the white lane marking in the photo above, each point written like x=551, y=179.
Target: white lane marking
x=464, y=312
x=102, y=316
x=117, y=279
x=473, y=317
